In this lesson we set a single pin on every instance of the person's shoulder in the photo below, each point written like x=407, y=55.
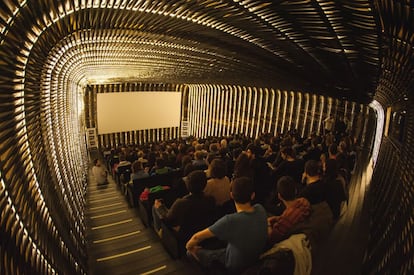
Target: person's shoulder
x=259, y=208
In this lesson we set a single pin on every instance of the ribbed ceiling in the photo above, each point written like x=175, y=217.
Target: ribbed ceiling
x=327, y=47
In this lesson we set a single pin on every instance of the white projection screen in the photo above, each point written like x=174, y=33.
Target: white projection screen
x=131, y=111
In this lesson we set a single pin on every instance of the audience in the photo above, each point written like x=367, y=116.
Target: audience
x=310, y=170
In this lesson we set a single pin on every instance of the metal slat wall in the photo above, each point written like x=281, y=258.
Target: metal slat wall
x=132, y=137
x=254, y=111
x=391, y=242
x=43, y=160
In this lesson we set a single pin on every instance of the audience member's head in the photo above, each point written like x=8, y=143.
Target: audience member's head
x=213, y=148
x=217, y=169
x=188, y=169
x=242, y=190
x=185, y=160
x=136, y=166
x=286, y=188
x=253, y=151
x=122, y=157
x=198, y=155
x=312, y=168
x=333, y=149
x=197, y=181
x=160, y=163
x=211, y=157
x=242, y=166
x=287, y=152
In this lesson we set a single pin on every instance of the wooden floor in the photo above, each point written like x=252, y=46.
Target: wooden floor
x=118, y=243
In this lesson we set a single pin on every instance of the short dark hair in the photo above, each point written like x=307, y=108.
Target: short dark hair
x=286, y=187
x=287, y=150
x=333, y=149
x=218, y=168
x=312, y=168
x=254, y=149
x=136, y=166
x=197, y=181
x=95, y=162
x=160, y=162
x=242, y=189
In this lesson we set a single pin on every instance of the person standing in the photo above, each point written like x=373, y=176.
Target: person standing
x=99, y=172
x=328, y=124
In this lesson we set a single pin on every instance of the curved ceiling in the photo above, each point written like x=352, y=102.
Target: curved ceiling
x=319, y=46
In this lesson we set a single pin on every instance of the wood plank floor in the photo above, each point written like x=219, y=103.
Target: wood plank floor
x=118, y=243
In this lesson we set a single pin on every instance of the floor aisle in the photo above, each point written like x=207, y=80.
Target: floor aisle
x=118, y=243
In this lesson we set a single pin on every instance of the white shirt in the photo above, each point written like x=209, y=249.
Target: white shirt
x=100, y=174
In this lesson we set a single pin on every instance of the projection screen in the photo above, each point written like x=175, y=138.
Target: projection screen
x=131, y=111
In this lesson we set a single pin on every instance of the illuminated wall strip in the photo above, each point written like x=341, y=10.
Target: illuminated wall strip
x=223, y=107
x=190, y=111
x=248, y=124
x=314, y=103
x=229, y=113
x=292, y=104
x=265, y=119
x=259, y=112
x=221, y=104
x=243, y=110
x=272, y=105
x=195, y=110
x=279, y=98
x=351, y=121
x=199, y=112
x=239, y=96
x=298, y=111
x=210, y=110
x=255, y=117
x=206, y=105
x=321, y=109
x=285, y=103
x=345, y=108
x=232, y=113
x=305, y=117
x=216, y=109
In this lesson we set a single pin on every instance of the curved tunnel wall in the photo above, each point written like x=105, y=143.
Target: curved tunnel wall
x=390, y=248
x=49, y=51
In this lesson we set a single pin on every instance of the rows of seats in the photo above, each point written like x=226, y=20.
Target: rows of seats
x=139, y=195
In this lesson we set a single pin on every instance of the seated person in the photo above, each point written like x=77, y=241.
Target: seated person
x=297, y=210
x=218, y=186
x=160, y=168
x=99, y=172
x=199, y=160
x=245, y=232
x=138, y=171
x=189, y=214
x=336, y=189
x=290, y=166
x=315, y=190
x=122, y=163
